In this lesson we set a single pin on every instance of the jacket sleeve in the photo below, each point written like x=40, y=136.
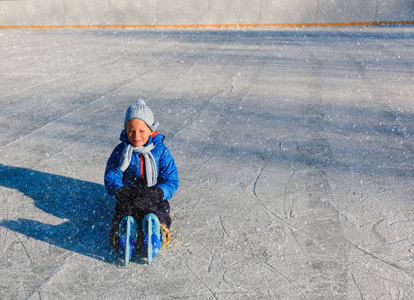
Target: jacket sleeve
x=168, y=174
x=113, y=175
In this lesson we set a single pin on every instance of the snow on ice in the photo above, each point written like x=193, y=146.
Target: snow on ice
x=294, y=147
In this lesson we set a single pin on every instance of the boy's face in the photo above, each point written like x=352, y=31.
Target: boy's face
x=137, y=132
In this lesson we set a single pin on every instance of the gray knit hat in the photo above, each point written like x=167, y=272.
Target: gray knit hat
x=139, y=110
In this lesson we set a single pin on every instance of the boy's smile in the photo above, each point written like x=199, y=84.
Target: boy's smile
x=138, y=132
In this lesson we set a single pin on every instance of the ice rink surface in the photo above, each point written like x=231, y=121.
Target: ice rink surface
x=295, y=150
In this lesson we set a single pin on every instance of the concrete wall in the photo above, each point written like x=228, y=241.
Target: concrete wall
x=201, y=12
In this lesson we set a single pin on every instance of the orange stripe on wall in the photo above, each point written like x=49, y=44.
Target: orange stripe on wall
x=211, y=25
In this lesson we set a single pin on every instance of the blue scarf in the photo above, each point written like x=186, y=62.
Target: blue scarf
x=151, y=172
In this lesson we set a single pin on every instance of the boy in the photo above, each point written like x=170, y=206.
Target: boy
x=141, y=173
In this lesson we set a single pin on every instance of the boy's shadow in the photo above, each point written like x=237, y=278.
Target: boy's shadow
x=85, y=208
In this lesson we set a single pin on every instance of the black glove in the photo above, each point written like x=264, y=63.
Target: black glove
x=127, y=194
x=148, y=197
x=124, y=194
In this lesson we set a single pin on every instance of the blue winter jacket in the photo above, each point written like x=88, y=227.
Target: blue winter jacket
x=167, y=171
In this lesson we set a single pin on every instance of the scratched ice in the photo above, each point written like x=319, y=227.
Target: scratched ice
x=295, y=151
